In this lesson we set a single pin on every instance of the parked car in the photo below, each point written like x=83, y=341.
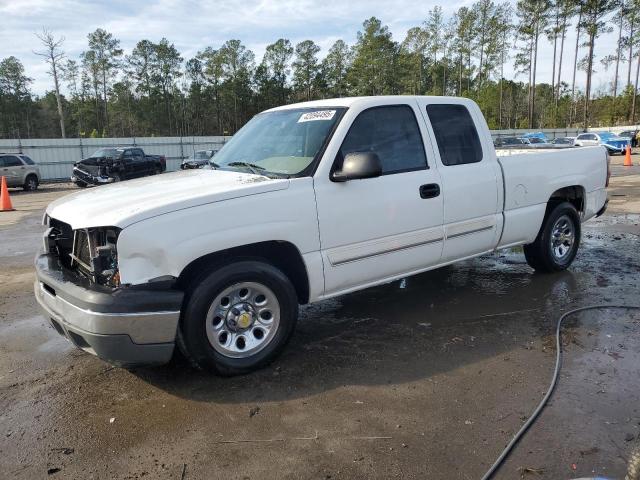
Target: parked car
x=307, y=202
x=612, y=142
x=632, y=135
x=536, y=137
x=200, y=159
x=507, y=142
x=113, y=164
x=537, y=141
x=19, y=170
x=564, y=141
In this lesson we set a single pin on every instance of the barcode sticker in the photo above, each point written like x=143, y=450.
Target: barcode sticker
x=315, y=116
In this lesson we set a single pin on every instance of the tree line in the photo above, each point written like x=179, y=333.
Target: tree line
x=154, y=90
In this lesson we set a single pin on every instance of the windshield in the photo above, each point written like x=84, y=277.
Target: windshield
x=283, y=142
x=107, y=153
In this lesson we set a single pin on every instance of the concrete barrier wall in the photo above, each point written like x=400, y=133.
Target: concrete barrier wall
x=56, y=157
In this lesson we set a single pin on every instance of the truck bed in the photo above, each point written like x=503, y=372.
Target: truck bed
x=531, y=177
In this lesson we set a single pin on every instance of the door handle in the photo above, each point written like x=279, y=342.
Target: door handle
x=430, y=190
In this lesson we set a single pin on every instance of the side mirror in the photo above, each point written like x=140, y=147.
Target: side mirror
x=358, y=165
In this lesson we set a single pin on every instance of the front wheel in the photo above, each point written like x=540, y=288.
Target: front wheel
x=556, y=245
x=237, y=318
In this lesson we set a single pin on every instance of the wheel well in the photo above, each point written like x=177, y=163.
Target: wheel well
x=280, y=254
x=573, y=194
x=31, y=175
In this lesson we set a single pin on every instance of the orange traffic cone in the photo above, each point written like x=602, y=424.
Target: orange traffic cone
x=5, y=200
x=627, y=158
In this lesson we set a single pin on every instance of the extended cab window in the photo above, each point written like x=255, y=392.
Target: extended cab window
x=392, y=133
x=456, y=134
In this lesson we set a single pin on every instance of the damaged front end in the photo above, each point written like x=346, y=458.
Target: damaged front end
x=78, y=288
x=91, y=252
x=94, y=171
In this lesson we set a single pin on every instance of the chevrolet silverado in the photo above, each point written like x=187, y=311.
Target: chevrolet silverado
x=306, y=202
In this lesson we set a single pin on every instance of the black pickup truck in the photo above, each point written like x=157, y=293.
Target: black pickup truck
x=114, y=164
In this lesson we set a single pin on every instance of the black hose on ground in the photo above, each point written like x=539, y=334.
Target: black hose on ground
x=634, y=466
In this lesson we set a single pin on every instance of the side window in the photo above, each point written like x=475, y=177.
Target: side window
x=455, y=133
x=28, y=160
x=392, y=133
x=11, y=161
x=138, y=154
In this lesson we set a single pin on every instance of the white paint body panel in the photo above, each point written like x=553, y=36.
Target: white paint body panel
x=350, y=235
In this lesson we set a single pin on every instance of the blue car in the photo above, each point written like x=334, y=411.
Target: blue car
x=612, y=142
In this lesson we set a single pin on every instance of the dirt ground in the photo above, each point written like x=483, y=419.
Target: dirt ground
x=428, y=377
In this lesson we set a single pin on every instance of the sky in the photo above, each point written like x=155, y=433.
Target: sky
x=193, y=25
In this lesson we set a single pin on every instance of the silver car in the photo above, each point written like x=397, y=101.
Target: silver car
x=19, y=170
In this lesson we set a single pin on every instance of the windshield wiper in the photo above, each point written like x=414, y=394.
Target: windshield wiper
x=251, y=166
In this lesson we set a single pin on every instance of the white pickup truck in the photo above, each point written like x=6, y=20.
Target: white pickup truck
x=306, y=202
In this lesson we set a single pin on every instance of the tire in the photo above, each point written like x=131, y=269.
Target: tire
x=30, y=183
x=116, y=177
x=81, y=184
x=215, y=318
x=557, y=243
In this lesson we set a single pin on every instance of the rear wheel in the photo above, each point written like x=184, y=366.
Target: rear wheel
x=237, y=318
x=30, y=183
x=556, y=245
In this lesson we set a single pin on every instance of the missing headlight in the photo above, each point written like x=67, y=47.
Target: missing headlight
x=94, y=253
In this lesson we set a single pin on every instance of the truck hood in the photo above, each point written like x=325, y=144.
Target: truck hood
x=124, y=203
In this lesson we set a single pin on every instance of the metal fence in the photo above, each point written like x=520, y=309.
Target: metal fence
x=549, y=132
x=56, y=157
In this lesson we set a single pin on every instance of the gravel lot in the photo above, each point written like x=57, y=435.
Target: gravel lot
x=428, y=377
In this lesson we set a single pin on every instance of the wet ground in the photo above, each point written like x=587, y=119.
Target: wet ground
x=423, y=378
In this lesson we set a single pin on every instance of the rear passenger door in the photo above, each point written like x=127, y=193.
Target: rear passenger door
x=471, y=178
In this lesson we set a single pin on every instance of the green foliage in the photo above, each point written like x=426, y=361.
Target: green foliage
x=375, y=57
x=153, y=90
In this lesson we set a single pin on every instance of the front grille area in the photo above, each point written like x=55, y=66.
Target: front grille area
x=61, y=241
x=81, y=251
x=89, y=252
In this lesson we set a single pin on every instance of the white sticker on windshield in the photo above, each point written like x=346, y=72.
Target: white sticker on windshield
x=319, y=115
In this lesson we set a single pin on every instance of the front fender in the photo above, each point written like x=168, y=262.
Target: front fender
x=164, y=245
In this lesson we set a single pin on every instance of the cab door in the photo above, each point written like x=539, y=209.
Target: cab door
x=143, y=166
x=471, y=177
x=378, y=229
